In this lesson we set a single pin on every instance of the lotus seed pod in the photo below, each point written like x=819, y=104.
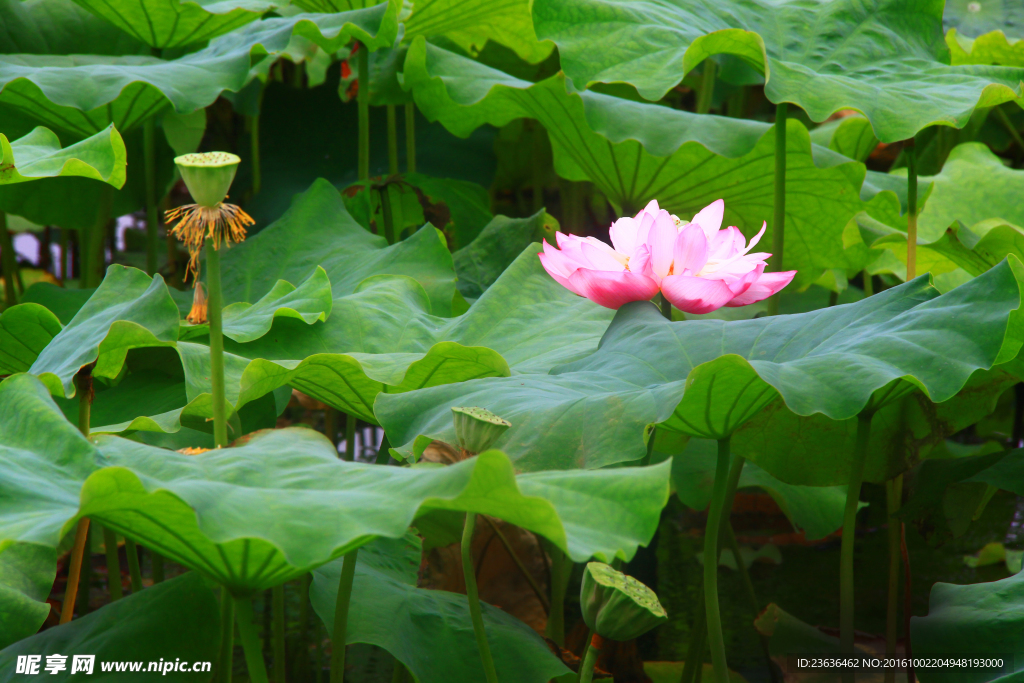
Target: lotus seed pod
x=477, y=429
x=208, y=175
x=616, y=606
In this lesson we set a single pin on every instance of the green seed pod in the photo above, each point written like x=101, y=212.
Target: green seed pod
x=616, y=606
x=208, y=175
x=477, y=429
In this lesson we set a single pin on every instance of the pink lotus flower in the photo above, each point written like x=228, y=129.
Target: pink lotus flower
x=697, y=266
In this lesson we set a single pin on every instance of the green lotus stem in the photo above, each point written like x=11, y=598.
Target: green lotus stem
x=846, y=601
x=254, y=135
x=226, y=657
x=1005, y=121
x=715, y=512
x=590, y=659
x=561, y=572
x=134, y=570
x=398, y=673
x=10, y=263
x=410, y=137
x=475, y=612
x=385, y=209
x=536, y=167
x=113, y=564
x=893, y=499
x=157, y=562
x=707, y=86
x=278, y=633
x=350, y=437
x=338, y=638
x=92, y=255
x=666, y=307
x=869, y=284
x=331, y=425
x=650, y=449
x=250, y=640
x=521, y=567
x=583, y=655
x=363, y=101
x=83, y=387
x=737, y=104
x=698, y=643
x=215, y=305
x=152, y=219
x=911, y=152
x=319, y=653
x=392, y=141
x=779, y=193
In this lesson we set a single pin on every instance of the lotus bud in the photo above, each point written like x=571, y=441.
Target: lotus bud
x=477, y=429
x=208, y=175
x=616, y=606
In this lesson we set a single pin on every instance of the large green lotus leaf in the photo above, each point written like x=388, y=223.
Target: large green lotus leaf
x=481, y=262
x=173, y=23
x=63, y=302
x=38, y=155
x=816, y=510
x=685, y=168
x=991, y=48
x=983, y=620
x=707, y=378
x=83, y=94
x=470, y=24
x=59, y=27
x=25, y=330
x=414, y=624
x=128, y=310
x=281, y=502
x=850, y=136
x=243, y=322
x=27, y=572
x=176, y=619
x=317, y=230
x=873, y=56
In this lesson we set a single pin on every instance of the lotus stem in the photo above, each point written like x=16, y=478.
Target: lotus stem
x=152, y=219
x=846, y=598
x=779, y=213
x=869, y=284
x=331, y=425
x=410, y=137
x=385, y=209
x=893, y=498
x=363, y=102
x=1008, y=125
x=215, y=305
x=590, y=659
x=748, y=587
x=10, y=263
x=350, y=437
x=254, y=134
x=278, y=633
x=475, y=612
x=83, y=387
x=520, y=566
x=561, y=572
x=392, y=141
x=398, y=673
x=227, y=637
x=537, y=169
x=338, y=639
x=911, y=150
x=724, y=474
x=113, y=564
x=92, y=256
x=250, y=640
x=666, y=307
x=134, y=569
x=707, y=86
